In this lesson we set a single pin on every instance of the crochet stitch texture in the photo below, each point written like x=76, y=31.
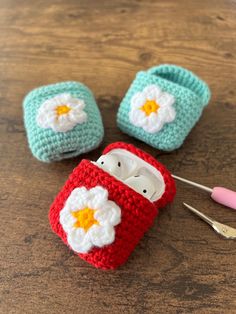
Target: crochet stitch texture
x=190, y=96
x=83, y=130
x=137, y=212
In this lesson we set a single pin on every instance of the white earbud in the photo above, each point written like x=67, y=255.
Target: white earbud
x=110, y=164
x=133, y=171
x=141, y=184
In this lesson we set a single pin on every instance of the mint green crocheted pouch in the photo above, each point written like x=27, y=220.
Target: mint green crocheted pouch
x=62, y=120
x=162, y=105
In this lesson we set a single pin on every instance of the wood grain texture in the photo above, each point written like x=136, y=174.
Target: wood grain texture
x=181, y=265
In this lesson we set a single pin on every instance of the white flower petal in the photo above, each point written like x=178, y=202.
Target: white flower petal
x=62, y=119
x=101, y=235
x=138, y=100
x=77, y=116
x=137, y=117
x=67, y=220
x=165, y=100
x=167, y=114
x=154, y=123
x=77, y=104
x=79, y=240
x=151, y=92
x=59, y=127
x=171, y=114
x=77, y=199
x=153, y=119
x=161, y=115
x=108, y=215
x=42, y=121
x=97, y=197
x=48, y=105
x=63, y=99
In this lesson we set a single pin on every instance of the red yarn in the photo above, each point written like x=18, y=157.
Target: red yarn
x=137, y=212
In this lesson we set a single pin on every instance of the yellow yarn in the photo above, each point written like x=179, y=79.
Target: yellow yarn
x=150, y=106
x=84, y=218
x=63, y=109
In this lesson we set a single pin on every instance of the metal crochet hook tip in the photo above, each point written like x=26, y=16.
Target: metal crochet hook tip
x=200, y=186
x=224, y=230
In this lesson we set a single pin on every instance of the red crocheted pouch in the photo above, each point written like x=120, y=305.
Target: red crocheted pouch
x=100, y=217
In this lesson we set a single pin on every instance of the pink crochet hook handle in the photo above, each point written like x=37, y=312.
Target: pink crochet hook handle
x=224, y=196
x=218, y=194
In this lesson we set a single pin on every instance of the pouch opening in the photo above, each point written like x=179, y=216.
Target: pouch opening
x=134, y=166
x=184, y=78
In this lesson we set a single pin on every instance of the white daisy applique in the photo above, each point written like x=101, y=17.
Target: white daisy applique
x=88, y=218
x=151, y=109
x=61, y=113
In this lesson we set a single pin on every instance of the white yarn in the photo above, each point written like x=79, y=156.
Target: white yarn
x=47, y=116
x=106, y=213
x=153, y=122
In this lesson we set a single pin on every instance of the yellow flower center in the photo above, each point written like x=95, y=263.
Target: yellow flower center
x=63, y=109
x=149, y=107
x=84, y=218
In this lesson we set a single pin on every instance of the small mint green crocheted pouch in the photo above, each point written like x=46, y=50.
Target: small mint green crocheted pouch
x=162, y=105
x=62, y=120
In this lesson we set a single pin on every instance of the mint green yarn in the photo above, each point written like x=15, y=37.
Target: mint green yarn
x=48, y=145
x=191, y=96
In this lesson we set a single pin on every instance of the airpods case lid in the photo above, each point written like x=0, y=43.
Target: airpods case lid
x=162, y=180
x=162, y=105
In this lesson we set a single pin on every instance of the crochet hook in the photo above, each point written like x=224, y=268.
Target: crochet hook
x=218, y=194
x=224, y=230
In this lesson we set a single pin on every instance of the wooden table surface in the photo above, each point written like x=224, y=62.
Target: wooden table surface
x=181, y=265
